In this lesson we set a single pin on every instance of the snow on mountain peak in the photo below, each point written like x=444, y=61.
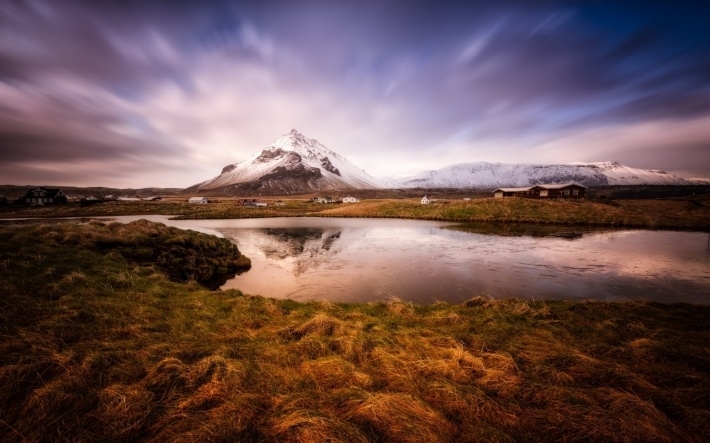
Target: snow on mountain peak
x=304, y=164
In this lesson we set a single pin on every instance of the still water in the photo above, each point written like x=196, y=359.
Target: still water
x=425, y=261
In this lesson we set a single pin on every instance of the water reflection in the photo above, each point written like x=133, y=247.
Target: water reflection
x=304, y=247
x=424, y=261
x=363, y=262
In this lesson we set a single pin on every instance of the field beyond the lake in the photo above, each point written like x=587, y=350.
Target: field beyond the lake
x=109, y=333
x=688, y=213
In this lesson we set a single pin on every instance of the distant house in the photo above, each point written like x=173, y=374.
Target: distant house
x=512, y=192
x=198, y=200
x=325, y=200
x=153, y=198
x=252, y=202
x=425, y=200
x=350, y=200
x=128, y=199
x=108, y=197
x=44, y=196
x=565, y=190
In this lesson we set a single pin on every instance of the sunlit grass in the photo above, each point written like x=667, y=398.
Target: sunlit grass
x=97, y=344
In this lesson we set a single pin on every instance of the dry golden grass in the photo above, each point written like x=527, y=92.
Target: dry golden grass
x=682, y=213
x=149, y=359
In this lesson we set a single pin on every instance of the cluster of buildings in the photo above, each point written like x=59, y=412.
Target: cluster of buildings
x=48, y=196
x=42, y=196
x=565, y=190
x=327, y=200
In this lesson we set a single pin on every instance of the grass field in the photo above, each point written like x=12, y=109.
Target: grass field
x=99, y=343
x=682, y=213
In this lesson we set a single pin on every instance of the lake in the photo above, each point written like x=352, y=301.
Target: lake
x=352, y=260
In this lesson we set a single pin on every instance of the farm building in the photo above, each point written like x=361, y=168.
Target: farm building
x=565, y=190
x=425, y=200
x=198, y=200
x=323, y=200
x=43, y=196
x=350, y=200
x=251, y=202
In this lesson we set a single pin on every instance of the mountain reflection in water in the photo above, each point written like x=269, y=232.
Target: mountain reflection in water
x=341, y=259
x=365, y=262
x=308, y=247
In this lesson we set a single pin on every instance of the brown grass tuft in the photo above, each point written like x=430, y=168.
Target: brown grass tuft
x=309, y=427
x=396, y=306
x=480, y=301
x=124, y=409
x=333, y=373
x=168, y=375
x=401, y=417
x=319, y=325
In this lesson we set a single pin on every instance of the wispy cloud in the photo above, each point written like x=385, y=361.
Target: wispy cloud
x=166, y=93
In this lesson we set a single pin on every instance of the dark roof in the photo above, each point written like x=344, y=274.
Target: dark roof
x=49, y=192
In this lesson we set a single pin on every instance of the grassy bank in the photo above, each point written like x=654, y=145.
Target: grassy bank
x=659, y=214
x=98, y=344
x=686, y=213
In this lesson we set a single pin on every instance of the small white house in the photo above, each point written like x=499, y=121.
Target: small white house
x=425, y=200
x=350, y=200
x=324, y=200
x=198, y=200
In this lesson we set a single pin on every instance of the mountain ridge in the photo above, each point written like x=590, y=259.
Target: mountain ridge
x=487, y=175
x=295, y=164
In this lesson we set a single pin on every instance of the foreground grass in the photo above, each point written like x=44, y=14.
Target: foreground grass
x=99, y=345
x=683, y=213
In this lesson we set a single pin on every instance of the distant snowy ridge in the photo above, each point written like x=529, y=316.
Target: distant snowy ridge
x=292, y=164
x=484, y=175
x=697, y=175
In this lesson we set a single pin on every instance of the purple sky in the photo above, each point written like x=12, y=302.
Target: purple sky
x=139, y=93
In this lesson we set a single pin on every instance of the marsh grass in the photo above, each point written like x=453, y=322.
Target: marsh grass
x=660, y=214
x=680, y=213
x=106, y=347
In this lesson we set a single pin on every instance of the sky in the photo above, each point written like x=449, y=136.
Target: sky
x=140, y=93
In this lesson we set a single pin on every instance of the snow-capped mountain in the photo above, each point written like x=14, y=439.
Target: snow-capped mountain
x=493, y=175
x=292, y=164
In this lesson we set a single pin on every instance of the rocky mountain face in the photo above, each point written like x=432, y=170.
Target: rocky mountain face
x=483, y=175
x=293, y=164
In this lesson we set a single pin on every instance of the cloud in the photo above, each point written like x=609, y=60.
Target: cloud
x=114, y=90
